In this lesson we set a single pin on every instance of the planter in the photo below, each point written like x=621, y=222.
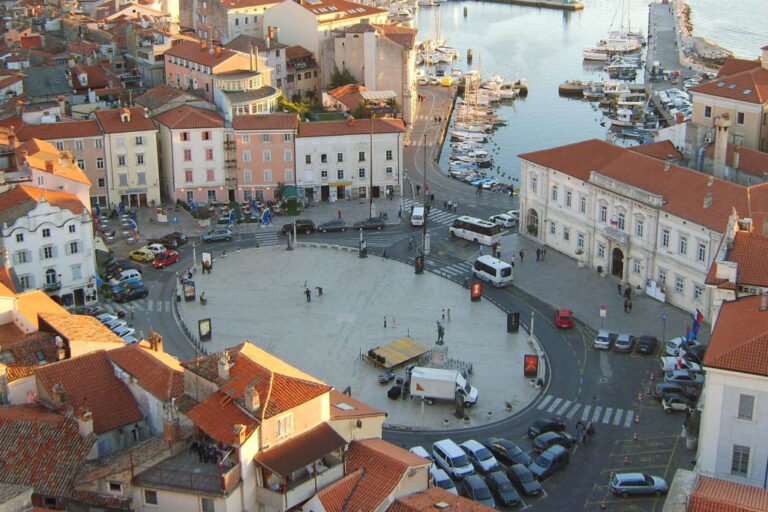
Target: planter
x=690, y=442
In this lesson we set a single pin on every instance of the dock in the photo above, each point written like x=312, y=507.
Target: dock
x=566, y=5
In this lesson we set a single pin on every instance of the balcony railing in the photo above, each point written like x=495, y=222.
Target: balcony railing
x=617, y=235
x=52, y=287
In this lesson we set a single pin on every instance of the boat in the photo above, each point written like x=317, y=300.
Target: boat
x=453, y=52
x=401, y=14
x=632, y=100
x=627, y=117
x=432, y=58
x=479, y=158
x=593, y=91
x=573, y=88
x=473, y=127
x=620, y=41
x=622, y=68
x=464, y=135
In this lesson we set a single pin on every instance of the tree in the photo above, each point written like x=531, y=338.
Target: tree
x=279, y=191
x=341, y=77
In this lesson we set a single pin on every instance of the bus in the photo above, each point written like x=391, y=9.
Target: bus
x=492, y=270
x=477, y=230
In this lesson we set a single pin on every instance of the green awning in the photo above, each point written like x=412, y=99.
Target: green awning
x=290, y=191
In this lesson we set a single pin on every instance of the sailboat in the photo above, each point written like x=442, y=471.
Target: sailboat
x=621, y=41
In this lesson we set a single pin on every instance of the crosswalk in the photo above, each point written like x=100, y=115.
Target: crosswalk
x=436, y=215
x=463, y=268
x=143, y=305
x=263, y=238
x=596, y=414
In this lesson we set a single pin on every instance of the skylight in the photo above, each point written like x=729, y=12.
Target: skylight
x=345, y=406
x=732, y=86
x=721, y=84
x=747, y=91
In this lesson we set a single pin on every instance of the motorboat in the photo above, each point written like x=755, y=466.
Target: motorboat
x=480, y=158
x=627, y=117
x=401, y=14
x=453, y=52
x=593, y=91
x=464, y=135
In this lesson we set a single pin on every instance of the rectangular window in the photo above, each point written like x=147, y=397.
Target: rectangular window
x=287, y=137
x=679, y=283
x=361, y=156
x=267, y=155
x=74, y=247
x=265, y=137
x=665, y=238
x=208, y=153
x=187, y=155
x=19, y=237
x=388, y=171
x=566, y=234
x=190, y=196
x=662, y=276
x=554, y=192
x=121, y=160
x=46, y=232
x=139, y=159
x=102, y=183
x=361, y=173
x=568, y=198
x=285, y=425
x=245, y=138
x=389, y=154
x=98, y=143
x=707, y=111
x=583, y=205
x=287, y=155
x=621, y=220
x=77, y=272
x=184, y=136
x=246, y=156
x=210, y=175
x=188, y=175
x=580, y=240
x=150, y=497
x=698, y=291
x=639, y=228
x=141, y=178
x=123, y=180
x=79, y=144
x=740, y=460
x=600, y=251
x=115, y=487
x=701, y=253
x=307, y=159
x=323, y=158
x=534, y=184
x=99, y=163
x=324, y=175
x=603, y=214
x=21, y=257
x=289, y=175
x=340, y=174
x=739, y=117
x=683, y=244
x=247, y=175
x=120, y=142
x=746, y=406
x=26, y=282
x=206, y=135
x=339, y=157
x=60, y=146
x=47, y=252
x=207, y=504
x=139, y=140
x=552, y=228
x=268, y=175
x=636, y=266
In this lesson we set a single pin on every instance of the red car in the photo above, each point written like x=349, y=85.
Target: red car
x=564, y=318
x=164, y=259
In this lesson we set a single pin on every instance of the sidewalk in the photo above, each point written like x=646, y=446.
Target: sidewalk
x=559, y=282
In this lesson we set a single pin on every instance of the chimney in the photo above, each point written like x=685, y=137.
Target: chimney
x=763, y=302
x=239, y=431
x=722, y=124
x=217, y=51
x=710, y=180
x=85, y=422
x=125, y=115
x=667, y=166
x=736, y=154
x=270, y=33
x=171, y=425
x=275, y=34
x=155, y=342
x=61, y=350
x=19, y=107
x=146, y=113
x=49, y=165
x=707, y=200
x=59, y=395
x=224, y=365
x=203, y=45
x=250, y=57
x=252, y=401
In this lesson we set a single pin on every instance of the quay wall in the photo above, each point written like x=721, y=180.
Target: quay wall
x=547, y=4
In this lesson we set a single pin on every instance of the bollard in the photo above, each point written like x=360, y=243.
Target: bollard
x=634, y=437
x=637, y=419
x=603, y=505
x=626, y=461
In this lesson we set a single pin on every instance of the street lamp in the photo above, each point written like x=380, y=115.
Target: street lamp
x=375, y=96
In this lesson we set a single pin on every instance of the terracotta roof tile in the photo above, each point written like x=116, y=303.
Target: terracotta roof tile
x=194, y=52
x=428, y=500
x=186, y=116
x=79, y=328
x=343, y=406
x=23, y=353
x=660, y=150
x=750, y=85
x=30, y=304
x=7, y=282
x=751, y=161
x=715, y=495
x=350, y=127
x=40, y=151
x=111, y=120
x=348, y=94
x=161, y=376
x=41, y=449
x=90, y=381
x=740, y=337
x=33, y=41
x=404, y=36
x=332, y=11
x=217, y=416
x=296, y=52
x=266, y=122
x=19, y=200
x=336, y=494
x=683, y=189
x=159, y=96
x=301, y=450
x=96, y=78
x=734, y=65
x=64, y=130
x=239, y=4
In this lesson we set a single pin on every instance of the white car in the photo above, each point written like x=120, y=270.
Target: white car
x=115, y=324
x=480, y=456
x=675, y=344
x=156, y=248
x=123, y=331
x=423, y=80
x=504, y=220
x=106, y=317
x=423, y=453
x=514, y=214
x=670, y=363
x=441, y=479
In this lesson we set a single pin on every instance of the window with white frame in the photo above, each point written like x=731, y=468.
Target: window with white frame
x=19, y=237
x=639, y=228
x=746, y=406
x=698, y=292
x=100, y=163
x=603, y=213
x=139, y=140
x=121, y=160
x=361, y=173
x=636, y=266
x=740, y=460
x=101, y=182
x=46, y=232
x=580, y=240
x=701, y=252
x=339, y=157
x=566, y=234
x=47, y=252
x=662, y=276
x=683, y=244
x=267, y=155
x=81, y=164
x=247, y=156
x=621, y=221
x=361, y=156
x=23, y=256
x=245, y=137
x=389, y=154
x=600, y=251
x=568, y=198
x=150, y=497
x=388, y=171
x=679, y=284
x=287, y=137
x=554, y=192
x=26, y=281
x=324, y=175
x=534, y=184
x=77, y=272
x=247, y=175
x=665, y=238
x=73, y=247
x=552, y=228
x=583, y=205
x=289, y=175
x=340, y=174
x=79, y=144
x=287, y=155
x=285, y=425
x=139, y=159
x=265, y=137
x=98, y=143
x=268, y=175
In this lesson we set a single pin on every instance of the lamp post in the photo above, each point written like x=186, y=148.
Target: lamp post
x=424, y=241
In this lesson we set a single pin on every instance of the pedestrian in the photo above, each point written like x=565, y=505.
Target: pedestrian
x=308, y=294
x=628, y=293
x=544, y=253
x=443, y=311
x=481, y=249
x=132, y=309
x=618, y=287
x=385, y=321
x=626, y=306
x=590, y=429
x=630, y=305
x=448, y=314
x=319, y=291
x=400, y=212
x=538, y=255
x=338, y=212
x=521, y=256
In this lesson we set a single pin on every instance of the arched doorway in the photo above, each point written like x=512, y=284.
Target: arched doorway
x=617, y=263
x=532, y=222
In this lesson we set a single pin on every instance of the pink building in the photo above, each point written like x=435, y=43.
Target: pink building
x=265, y=149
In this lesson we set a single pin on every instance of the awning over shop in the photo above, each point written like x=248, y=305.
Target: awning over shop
x=301, y=451
x=290, y=191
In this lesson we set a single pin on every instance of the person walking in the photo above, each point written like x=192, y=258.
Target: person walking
x=338, y=212
x=544, y=253
x=590, y=430
x=443, y=313
x=132, y=310
x=448, y=314
x=630, y=305
x=308, y=294
x=538, y=255
x=521, y=256
x=626, y=306
x=400, y=212
x=618, y=288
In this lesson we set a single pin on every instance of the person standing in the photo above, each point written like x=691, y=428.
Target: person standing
x=626, y=306
x=132, y=309
x=338, y=212
x=521, y=256
x=448, y=314
x=308, y=294
x=618, y=288
x=538, y=255
x=443, y=313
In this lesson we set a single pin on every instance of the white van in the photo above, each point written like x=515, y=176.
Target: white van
x=492, y=270
x=452, y=459
x=417, y=216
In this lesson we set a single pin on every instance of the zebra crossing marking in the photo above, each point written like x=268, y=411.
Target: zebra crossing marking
x=149, y=304
x=585, y=414
x=628, y=419
x=564, y=408
x=607, y=417
x=573, y=411
x=617, y=418
x=544, y=402
x=554, y=404
x=596, y=415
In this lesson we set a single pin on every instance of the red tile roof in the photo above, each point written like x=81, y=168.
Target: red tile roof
x=186, y=116
x=5, y=279
x=734, y=65
x=660, y=150
x=217, y=416
x=348, y=94
x=432, y=500
x=715, y=495
x=748, y=251
x=301, y=450
x=345, y=407
x=331, y=11
x=158, y=375
x=683, y=189
x=28, y=351
x=278, y=121
x=39, y=152
x=335, y=496
x=96, y=78
x=159, y=96
x=296, y=52
x=41, y=449
x=34, y=41
x=239, y=4
x=21, y=194
x=740, y=338
x=30, y=304
x=194, y=52
x=90, y=381
x=404, y=36
x=350, y=127
x=749, y=85
x=112, y=122
x=751, y=161
x=55, y=131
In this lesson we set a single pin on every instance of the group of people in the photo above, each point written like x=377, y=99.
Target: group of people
x=207, y=452
x=308, y=292
x=584, y=431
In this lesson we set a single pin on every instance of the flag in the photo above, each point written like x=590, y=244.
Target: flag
x=699, y=316
x=690, y=334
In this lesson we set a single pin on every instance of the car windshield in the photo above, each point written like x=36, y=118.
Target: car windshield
x=460, y=461
x=525, y=476
x=446, y=483
x=513, y=449
x=483, y=454
x=483, y=493
x=542, y=460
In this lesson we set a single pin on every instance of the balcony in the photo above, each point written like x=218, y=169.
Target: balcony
x=303, y=485
x=615, y=234
x=52, y=287
x=185, y=473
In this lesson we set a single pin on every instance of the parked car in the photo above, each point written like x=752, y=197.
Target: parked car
x=502, y=489
x=670, y=363
x=95, y=310
x=156, y=248
x=684, y=377
x=668, y=388
x=125, y=276
x=120, y=265
x=549, y=462
x=180, y=237
x=674, y=345
x=632, y=484
x=421, y=452
x=367, y=224
x=131, y=294
x=124, y=331
x=123, y=286
x=332, y=225
x=114, y=324
x=506, y=451
x=142, y=254
x=646, y=344
x=515, y=214
x=503, y=220
x=548, y=439
x=474, y=488
x=542, y=425
x=672, y=403
x=441, y=479
x=603, y=340
x=452, y=459
x=106, y=317
x=130, y=339
x=564, y=318
x=302, y=226
x=168, y=243
x=624, y=343
x=480, y=456
x=164, y=259
x=522, y=477
x=218, y=235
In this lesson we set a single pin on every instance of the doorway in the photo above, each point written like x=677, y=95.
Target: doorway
x=617, y=263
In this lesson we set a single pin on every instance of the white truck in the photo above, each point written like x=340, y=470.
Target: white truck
x=441, y=384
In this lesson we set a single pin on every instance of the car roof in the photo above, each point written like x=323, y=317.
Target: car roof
x=555, y=449
x=519, y=468
x=630, y=476
x=474, y=480
x=473, y=445
x=438, y=473
x=545, y=421
x=564, y=312
x=604, y=333
x=498, y=476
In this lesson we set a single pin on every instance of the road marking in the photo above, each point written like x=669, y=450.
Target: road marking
x=596, y=416
x=167, y=306
x=138, y=306
x=159, y=307
x=628, y=419
x=575, y=408
x=564, y=407
x=149, y=305
x=607, y=417
x=544, y=402
x=585, y=414
x=617, y=418
x=554, y=405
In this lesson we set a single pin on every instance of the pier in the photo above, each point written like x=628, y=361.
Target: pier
x=566, y=5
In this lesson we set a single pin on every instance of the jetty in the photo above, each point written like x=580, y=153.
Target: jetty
x=566, y=5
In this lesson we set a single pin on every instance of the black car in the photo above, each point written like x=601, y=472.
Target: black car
x=545, y=425
x=670, y=388
x=168, y=243
x=522, y=477
x=372, y=223
x=475, y=488
x=119, y=264
x=646, y=344
x=131, y=293
x=180, y=237
x=506, y=451
x=502, y=488
x=547, y=439
x=302, y=226
x=332, y=225
x=695, y=354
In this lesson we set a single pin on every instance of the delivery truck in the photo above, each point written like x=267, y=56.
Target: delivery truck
x=441, y=384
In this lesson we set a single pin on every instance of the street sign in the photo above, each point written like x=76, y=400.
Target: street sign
x=603, y=310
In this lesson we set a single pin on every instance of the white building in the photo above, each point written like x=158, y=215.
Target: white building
x=333, y=158
x=733, y=440
x=48, y=239
x=632, y=215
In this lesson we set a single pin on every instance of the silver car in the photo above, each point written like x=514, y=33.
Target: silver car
x=603, y=340
x=633, y=484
